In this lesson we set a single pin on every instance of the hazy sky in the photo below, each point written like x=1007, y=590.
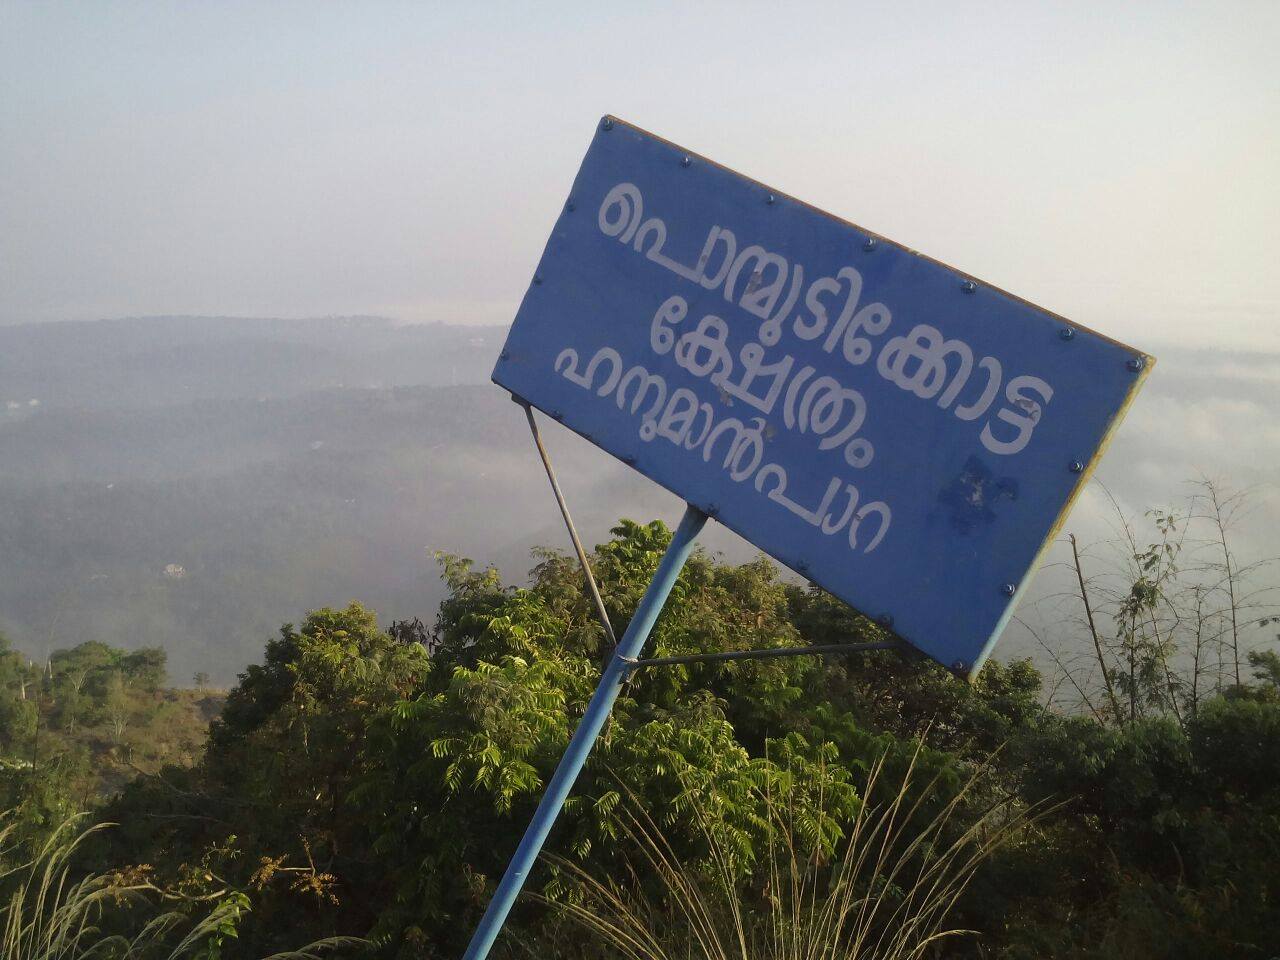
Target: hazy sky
x=1114, y=162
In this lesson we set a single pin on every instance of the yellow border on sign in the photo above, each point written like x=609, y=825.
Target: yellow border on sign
x=1085, y=476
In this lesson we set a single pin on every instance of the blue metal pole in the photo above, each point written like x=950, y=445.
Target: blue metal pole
x=584, y=737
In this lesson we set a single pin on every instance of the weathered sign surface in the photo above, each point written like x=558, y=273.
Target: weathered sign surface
x=896, y=431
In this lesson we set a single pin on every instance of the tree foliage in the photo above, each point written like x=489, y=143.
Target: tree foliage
x=373, y=782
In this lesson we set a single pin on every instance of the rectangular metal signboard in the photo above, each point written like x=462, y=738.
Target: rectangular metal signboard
x=900, y=433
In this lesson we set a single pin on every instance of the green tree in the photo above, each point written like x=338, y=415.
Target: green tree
x=361, y=781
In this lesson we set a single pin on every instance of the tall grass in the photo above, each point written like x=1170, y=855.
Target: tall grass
x=886, y=892
x=48, y=912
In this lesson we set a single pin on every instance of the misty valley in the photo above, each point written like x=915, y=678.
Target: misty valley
x=289, y=603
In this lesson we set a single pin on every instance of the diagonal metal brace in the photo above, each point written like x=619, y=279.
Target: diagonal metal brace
x=568, y=522
x=768, y=653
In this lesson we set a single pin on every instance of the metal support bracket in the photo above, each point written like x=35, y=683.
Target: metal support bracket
x=568, y=522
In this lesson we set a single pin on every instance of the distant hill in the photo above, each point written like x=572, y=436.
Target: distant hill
x=157, y=361
x=192, y=483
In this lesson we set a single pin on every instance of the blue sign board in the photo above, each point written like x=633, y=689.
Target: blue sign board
x=902, y=434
